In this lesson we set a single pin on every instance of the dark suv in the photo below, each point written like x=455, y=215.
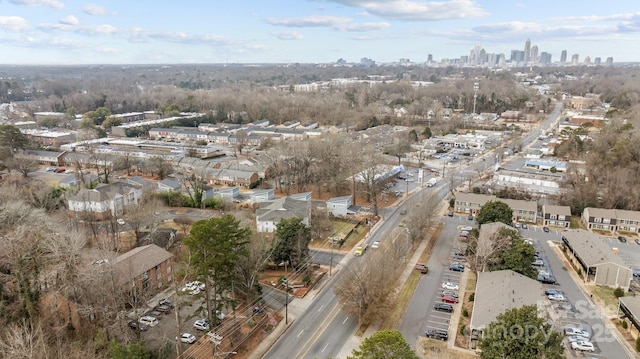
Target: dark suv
x=445, y=307
x=438, y=334
x=622, y=239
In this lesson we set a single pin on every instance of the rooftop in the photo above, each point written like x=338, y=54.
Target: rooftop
x=591, y=248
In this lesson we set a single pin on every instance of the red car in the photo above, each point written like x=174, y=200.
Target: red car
x=449, y=299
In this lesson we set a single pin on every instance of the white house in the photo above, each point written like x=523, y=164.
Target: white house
x=262, y=195
x=304, y=196
x=227, y=193
x=268, y=216
x=339, y=206
x=104, y=201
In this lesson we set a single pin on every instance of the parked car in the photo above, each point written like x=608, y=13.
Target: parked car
x=622, y=239
x=467, y=228
x=450, y=293
x=439, y=334
x=154, y=313
x=546, y=229
x=470, y=217
x=375, y=244
x=538, y=263
x=201, y=324
x=444, y=307
x=577, y=338
x=552, y=291
x=450, y=286
x=637, y=241
x=583, y=346
x=121, y=221
x=558, y=297
x=187, y=338
x=450, y=214
x=524, y=226
x=456, y=267
x=516, y=224
x=449, y=299
x=576, y=331
x=464, y=234
x=148, y=320
x=134, y=325
x=163, y=309
x=167, y=302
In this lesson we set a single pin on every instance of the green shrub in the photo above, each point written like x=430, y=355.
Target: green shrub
x=462, y=328
x=638, y=344
x=472, y=296
x=465, y=312
x=618, y=292
x=579, y=272
x=624, y=324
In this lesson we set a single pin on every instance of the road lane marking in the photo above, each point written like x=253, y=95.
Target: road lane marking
x=345, y=320
x=325, y=347
x=321, y=328
x=322, y=306
x=299, y=334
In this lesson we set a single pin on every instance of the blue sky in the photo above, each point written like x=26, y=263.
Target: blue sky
x=308, y=31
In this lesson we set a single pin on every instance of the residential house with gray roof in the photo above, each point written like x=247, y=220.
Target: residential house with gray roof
x=499, y=291
x=596, y=260
x=271, y=213
x=104, y=201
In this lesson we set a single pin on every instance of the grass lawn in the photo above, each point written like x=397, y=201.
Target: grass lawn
x=404, y=296
x=604, y=296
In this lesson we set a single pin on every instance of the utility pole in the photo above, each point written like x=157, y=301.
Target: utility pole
x=476, y=86
x=286, y=295
x=331, y=257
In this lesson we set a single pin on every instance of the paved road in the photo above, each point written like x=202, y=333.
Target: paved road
x=322, y=329
x=324, y=257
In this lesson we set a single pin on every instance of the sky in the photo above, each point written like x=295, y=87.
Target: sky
x=309, y=31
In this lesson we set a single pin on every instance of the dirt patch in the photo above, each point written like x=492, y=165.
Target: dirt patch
x=429, y=348
x=462, y=332
x=297, y=284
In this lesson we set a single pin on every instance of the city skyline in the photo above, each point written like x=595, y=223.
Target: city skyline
x=313, y=31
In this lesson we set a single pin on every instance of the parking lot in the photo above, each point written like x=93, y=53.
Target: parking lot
x=440, y=318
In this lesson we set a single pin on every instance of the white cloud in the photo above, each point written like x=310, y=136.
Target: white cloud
x=94, y=9
x=418, y=10
x=69, y=20
x=48, y=3
x=288, y=35
x=334, y=22
x=13, y=23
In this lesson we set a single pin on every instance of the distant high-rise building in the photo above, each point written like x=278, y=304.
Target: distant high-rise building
x=365, y=61
x=597, y=61
x=545, y=58
x=517, y=56
x=527, y=50
x=430, y=57
x=533, y=56
x=574, y=59
x=609, y=61
x=563, y=56
x=587, y=60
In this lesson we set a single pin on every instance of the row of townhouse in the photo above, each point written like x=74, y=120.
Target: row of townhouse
x=252, y=136
x=523, y=211
x=611, y=220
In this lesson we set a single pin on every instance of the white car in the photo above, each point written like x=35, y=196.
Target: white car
x=375, y=244
x=583, y=346
x=538, y=263
x=577, y=338
x=450, y=286
x=121, y=221
x=148, y=321
x=576, y=331
x=187, y=338
x=558, y=297
x=201, y=324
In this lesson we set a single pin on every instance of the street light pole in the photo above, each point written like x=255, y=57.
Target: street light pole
x=331, y=257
